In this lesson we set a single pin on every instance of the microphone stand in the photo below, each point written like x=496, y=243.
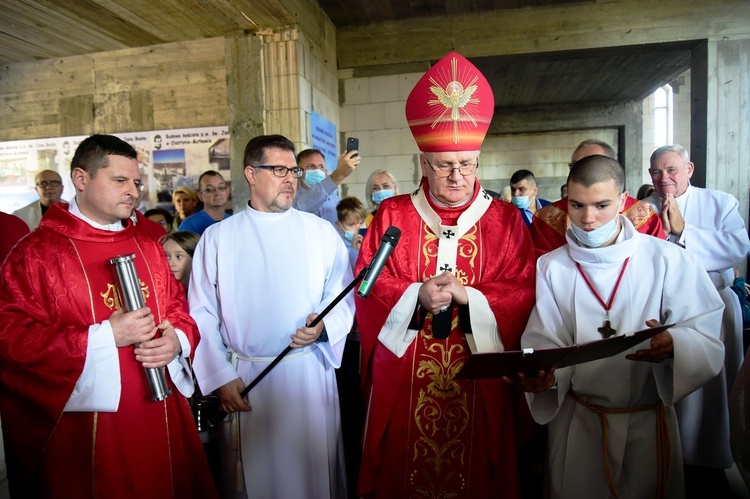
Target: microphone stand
x=221, y=414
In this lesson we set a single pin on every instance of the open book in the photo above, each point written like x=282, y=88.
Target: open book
x=530, y=361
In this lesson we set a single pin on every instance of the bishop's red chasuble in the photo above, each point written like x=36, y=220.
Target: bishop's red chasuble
x=54, y=285
x=427, y=434
x=552, y=221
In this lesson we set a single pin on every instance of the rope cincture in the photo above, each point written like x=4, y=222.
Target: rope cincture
x=662, y=440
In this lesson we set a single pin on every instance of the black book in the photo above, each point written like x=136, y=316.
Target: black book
x=530, y=362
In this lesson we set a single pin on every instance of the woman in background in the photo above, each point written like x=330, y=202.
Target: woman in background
x=381, y=185
x=186, y=203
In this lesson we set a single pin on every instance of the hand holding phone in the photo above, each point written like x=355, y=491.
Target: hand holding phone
x=352, y=144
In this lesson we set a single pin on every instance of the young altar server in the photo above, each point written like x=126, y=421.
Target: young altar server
x=612, y=427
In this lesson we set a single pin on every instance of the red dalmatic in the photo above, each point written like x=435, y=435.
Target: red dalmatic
x=427, y=434
x=54, y=285
x=552, y=221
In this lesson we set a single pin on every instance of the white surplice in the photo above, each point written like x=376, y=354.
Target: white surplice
x=661, y=282
x=715, y=233
x=256, y=276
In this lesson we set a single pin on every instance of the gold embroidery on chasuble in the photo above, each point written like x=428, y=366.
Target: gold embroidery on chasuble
x=440, y=440
x=112, y=299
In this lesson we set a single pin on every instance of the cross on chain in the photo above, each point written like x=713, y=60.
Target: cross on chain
x=607, y=330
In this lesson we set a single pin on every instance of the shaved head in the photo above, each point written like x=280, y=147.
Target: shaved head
x=595, y=169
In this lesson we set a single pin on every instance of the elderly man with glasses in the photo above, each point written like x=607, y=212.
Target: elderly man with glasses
x=213, y=191
x=460, y=281
x=49, y=186
x=707, y=223
x=258, y=279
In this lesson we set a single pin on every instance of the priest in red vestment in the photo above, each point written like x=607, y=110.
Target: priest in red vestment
x=461, y=280
x=76, y=412
x=553, y=220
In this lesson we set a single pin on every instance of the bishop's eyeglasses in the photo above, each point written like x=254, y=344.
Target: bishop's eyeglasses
x=446, y=170
x=282, y=171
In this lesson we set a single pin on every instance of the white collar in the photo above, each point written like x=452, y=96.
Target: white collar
x=76, y=212
x=682, y=200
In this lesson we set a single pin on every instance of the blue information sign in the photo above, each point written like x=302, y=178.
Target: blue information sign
x=324, y=139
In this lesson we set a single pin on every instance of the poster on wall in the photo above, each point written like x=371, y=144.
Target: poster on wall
x=324, y=139
x=167, y=159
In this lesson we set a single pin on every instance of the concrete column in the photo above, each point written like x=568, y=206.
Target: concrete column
x=728, y=120
x=282, y=60
x=246, y=106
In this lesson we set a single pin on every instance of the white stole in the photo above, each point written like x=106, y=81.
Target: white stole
x=485, y=338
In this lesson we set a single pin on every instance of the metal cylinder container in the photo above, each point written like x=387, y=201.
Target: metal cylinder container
x=132, y=299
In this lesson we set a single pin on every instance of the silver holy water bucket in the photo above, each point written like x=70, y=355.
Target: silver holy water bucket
x=132, y=299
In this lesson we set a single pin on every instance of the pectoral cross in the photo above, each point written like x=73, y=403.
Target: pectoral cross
x=606, y=330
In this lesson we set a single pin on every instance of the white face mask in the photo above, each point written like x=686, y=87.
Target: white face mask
x=596, y=237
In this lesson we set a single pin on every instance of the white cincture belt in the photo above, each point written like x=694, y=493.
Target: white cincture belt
x=235, y=356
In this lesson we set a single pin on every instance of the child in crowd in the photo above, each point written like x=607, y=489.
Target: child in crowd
x=351, y=217
x=179, y=247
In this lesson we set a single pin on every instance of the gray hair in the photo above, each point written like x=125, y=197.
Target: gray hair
x=661, y=151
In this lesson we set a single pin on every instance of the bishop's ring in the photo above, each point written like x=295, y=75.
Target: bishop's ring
x=443, y=308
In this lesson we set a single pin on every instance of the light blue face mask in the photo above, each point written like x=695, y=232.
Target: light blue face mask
x=521, y=201
x=348, y=235
x=313, y=177
x=596, y=237
x=379, y=196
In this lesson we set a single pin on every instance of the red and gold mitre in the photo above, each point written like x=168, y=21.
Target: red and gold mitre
x=450, y=107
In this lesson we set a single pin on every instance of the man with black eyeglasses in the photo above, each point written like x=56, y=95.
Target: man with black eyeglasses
x=49, y=186
x=258, y=278
x=214, y=192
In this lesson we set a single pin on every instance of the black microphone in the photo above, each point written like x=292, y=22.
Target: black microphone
x=387, y=244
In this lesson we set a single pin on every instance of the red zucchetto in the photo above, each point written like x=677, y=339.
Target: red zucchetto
x=450, y=107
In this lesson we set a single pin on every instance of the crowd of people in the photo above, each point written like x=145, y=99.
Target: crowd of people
x=231, y=299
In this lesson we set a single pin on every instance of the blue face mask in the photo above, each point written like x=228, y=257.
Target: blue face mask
x=348, y=235
x=379, y=196
x=521, y=201
x=596, y=237
x=313, y=177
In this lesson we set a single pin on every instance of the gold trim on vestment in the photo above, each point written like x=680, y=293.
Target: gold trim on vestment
x=553, y=216
x=639, y=213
